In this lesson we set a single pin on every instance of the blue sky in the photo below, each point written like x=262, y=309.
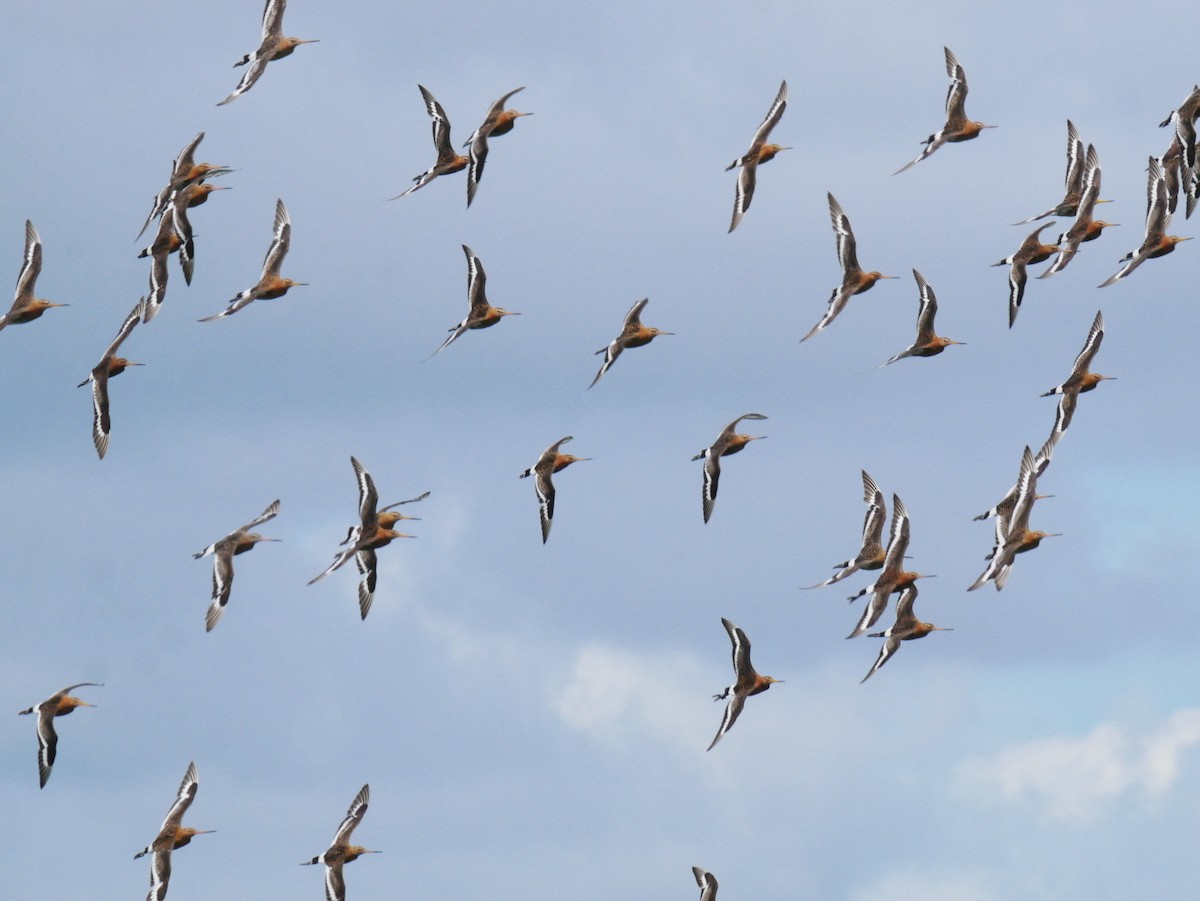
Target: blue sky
x=535, y=717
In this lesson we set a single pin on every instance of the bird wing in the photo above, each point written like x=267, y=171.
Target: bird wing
x=47, y=740
x=712, y=476
x=927, y=310
x=890, y=646
x=707, y=883
x=272, y=23
x=744, y=191
x=1095, y=335
x=732, y=711
x=268, y=514
x=222, y=586
x=898, y=539
x=774, y=114
x=366, y=562
x=368, y=497
x=183, y=799
x=160, y=875
x=846, y=245
x=280, y=242
x=956, y=96
x=31, y=266
x=440, y=124
x=476, y=281
x=633, y=320
x=258, y=65
x=101, y=421
x=1076, y=163
x=335, y=883
x=353, y=817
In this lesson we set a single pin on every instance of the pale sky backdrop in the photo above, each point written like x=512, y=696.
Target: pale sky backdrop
x=532, y=719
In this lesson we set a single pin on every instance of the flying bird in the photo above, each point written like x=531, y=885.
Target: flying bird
x=759, y=152
x=172, y=835
x=184, y=171
x=270, y=284
x=373, y=532
x=340, y=851
x=499, y=121
x=1073, y=183
x=26, y=307
x=871, y=553
x=236, y=542
x=1032, y=250
x=273, y=46
x=892, y=576
x=928, y=343
x=168, y=239
x=59, y=704
x=747, y=683
x=707, y=882
x=854, y=280
x=481, y=313
x=110, y=365
x=550, y=462
x=1018, y=538
x=633, y=334
x=1080, y=379
x=906, y=628
x=1184, y=119
x=958, y=127
x=1157, y=242
x=728, y=442
x=1085, y=227
x=447, y=160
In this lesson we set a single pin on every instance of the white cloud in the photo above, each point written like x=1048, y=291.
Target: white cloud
x=1075, y=777
x=611, y=695
x=911, y=884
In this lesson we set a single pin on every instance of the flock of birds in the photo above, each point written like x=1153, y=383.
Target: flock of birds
x=188, y=188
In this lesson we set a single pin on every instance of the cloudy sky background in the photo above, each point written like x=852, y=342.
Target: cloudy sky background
x=532, y=719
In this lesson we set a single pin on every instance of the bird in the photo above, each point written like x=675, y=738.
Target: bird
x=1032, y=250
x=1002, y=511
x=747, y=683
x=373, y=532
x=707, y=882
x=168, y=239
x=1079, y=380
x=633, y=334
x=1184, y=119
x=172, y=835
x=871, y=553
x=958, y=127
x=498, y=121
x=928, y=343
x=1157, y=242
x=59, y=704
x=273, y=46
x=550, y=462
x=892, y=576
x=447, y=160
x=1084, y=228
x=236, y=542
x=1018, y=537
x=110, y=365
x=854, y=280
x=26, y=307
x=481, y=314
x=759, y=152
x=340, y=851
x=184, y=171
x=728, y=442
x=192, y=195
x=1176, y=175
x=1076, y=163
x=270, y=284
x=906, y=628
